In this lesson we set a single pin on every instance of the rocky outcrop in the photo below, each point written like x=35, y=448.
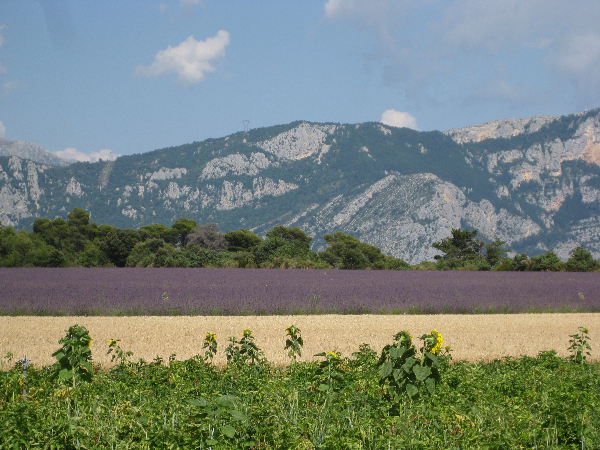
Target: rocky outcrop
x=19, y=190
x=74, y=188
x=235, y=164
x=506, y=128
x=299, y=142
x=404, y=215
x=165, y=173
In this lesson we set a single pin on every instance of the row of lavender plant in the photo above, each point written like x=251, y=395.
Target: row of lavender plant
x=79, y=291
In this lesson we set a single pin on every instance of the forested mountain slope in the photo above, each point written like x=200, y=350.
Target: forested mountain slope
x=534, y=183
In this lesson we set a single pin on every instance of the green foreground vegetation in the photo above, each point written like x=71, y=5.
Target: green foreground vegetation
x=77, y=242
x=404, y=398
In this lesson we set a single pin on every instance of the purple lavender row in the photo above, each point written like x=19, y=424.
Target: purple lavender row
x=101, y=291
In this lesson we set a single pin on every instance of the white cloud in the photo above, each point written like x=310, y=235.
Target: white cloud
x=2, y=129
x=71, y=153
x=443, y=48
x=191, y=60
x=399, y=119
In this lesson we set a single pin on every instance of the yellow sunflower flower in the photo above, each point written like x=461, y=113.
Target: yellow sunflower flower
x=439, y=340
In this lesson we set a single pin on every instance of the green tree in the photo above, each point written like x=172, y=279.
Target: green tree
x=581, y=260
x=104, y=229
x=56, y=232
x=353, y=259
x=92, y=256
x=519, y=263
x=347, y=252
x=144, y=253
x=78, y=218
x=242, y=240
x=118, y=244
x=292, y=235
x=80, y=229
x=159, y=231
x=495, y=252
x=546, y=262
x=459, y=249
x=56, y=258
x=181, y=228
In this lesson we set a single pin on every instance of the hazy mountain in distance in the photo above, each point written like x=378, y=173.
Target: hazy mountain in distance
x=32, y=152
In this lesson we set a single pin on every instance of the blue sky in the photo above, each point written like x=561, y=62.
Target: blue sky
x=82, y=78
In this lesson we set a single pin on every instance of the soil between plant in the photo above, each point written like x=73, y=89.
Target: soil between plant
x=472, y=337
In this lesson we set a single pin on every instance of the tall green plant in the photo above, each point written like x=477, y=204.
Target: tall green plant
x=329, y=374
x=580, y=347
x=74, y=357
x=245, y=350
x=404, y=371
x=117, y=352
x=293, y=342
x=210, y=344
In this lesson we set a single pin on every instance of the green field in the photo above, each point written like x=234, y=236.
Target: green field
x=338, y=402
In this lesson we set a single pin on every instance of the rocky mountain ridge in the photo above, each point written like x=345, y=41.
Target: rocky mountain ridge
x=534, y=183
x=32, y=152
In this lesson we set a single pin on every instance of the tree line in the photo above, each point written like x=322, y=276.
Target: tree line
x=77, y=242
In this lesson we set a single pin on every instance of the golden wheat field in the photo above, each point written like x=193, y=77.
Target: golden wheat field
x=472, y=337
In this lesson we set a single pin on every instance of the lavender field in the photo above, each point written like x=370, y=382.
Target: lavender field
x=81, y=291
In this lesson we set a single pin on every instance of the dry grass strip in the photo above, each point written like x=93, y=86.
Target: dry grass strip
x=472, y=337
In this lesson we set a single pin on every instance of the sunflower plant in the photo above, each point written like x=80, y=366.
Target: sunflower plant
x=73, y=359
x=117, y=352
x=406, y=371
x=580, y=347
x=293, y=342
x=329, y=374
x=244, y=350
x=210, y=344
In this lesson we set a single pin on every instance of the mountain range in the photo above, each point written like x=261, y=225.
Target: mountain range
x=534, y=183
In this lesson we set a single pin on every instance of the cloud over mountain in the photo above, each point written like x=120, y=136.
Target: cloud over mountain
x=399, y=119
x=190, y=61
x=71, y=153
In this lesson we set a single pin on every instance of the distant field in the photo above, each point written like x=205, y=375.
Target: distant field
x=204, y=292
x=473, y=337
